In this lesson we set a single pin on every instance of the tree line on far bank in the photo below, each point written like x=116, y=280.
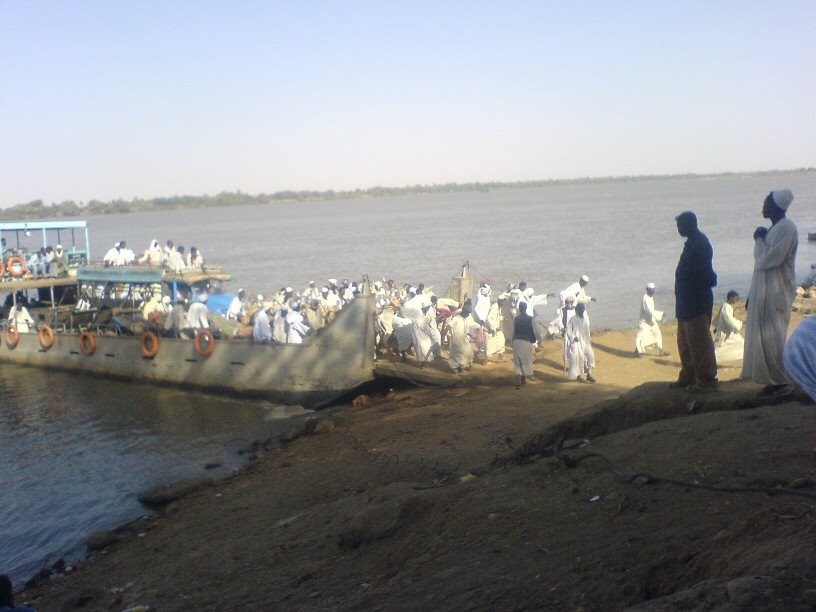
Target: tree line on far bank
x=37, y=209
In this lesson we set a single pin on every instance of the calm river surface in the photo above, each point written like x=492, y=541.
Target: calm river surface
x=75, y=452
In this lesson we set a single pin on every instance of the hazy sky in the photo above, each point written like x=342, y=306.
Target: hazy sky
x=124, y=99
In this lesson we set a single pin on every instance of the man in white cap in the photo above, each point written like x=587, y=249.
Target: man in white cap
x=577, y=291
x=648, y=329
x=773, y=288
x=311, y=292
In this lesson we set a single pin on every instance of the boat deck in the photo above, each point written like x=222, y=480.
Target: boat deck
x=7, y=286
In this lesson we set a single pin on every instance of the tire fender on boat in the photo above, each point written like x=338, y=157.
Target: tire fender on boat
x=150, y=344
x=204, y=342
x=12, y=336
x=46, y=337
x=87, y=343
x=16, y=266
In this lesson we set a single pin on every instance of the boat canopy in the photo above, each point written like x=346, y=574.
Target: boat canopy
x=120, y=274
x=77, y=252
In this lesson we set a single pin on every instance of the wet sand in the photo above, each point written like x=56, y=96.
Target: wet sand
x=454, y=498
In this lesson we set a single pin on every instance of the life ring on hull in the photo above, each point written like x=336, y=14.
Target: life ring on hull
x=87, y=343
x=12, y=336
x=46, y=337
x=150, y=345
x=16, y=266
x=204, y=342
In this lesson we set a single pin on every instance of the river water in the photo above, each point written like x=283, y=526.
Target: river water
x=75, y=452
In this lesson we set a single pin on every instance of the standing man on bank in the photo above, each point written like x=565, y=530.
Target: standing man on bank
x=773, y=288
x=693, y=281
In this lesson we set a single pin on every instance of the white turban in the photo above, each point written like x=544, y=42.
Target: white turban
x=650, y=285
x=585, y=278
x=782, y=198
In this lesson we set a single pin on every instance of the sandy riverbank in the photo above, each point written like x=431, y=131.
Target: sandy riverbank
x=372, y=510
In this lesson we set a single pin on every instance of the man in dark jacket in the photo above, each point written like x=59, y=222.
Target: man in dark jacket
x=693, y=281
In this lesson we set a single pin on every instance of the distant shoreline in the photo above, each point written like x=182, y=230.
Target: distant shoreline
x=37, y=209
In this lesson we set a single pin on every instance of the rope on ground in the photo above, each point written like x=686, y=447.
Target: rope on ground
x=440, y=476
x=646, y=478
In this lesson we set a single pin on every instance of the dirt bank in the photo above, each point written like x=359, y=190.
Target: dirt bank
x=453, y=498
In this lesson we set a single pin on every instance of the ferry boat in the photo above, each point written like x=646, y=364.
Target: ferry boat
x=101, y=341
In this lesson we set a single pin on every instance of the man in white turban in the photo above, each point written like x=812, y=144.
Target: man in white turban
x=648, y=329
x=773, y=288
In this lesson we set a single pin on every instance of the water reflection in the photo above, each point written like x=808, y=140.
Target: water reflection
x=76, y=451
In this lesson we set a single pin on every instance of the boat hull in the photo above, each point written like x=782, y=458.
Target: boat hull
x=312, y=374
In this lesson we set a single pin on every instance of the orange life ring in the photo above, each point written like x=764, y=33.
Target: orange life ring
x=87, y=343
x=12, y=336
x=150, y=344
x=16, y=266
x=204, y=336
x=46, y=337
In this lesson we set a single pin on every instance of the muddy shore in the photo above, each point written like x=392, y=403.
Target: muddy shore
x=484, y=496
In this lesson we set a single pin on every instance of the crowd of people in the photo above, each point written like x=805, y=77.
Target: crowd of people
x=412, y=320
x=170, y=256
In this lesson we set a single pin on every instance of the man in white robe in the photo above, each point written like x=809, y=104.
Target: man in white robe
x=581, y=355
x=565, y=315
x=648, y=333
x=279, y=329
x=296, y=326
x=482, y=306
x=577, y=291
x=773, y=289
x=460, y=350
x=537, y=309
x=21, y=318
x=261, y=329
x=728, y=344
x=198, y=317
x=494, y=336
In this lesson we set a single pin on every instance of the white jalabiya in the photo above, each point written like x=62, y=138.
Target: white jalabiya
x=482, y=306
x=728, y=344
x=576, y=291
x=426, y=337
x=494, y=336
x=296, y=328
x=581, y=356
x=800, y=356
x=279, y=326
x=540, y=324
x=403, y=330
x=648, y=329
x=773, y=288
x=460, y=349
x=506, y=310
x=19, y=316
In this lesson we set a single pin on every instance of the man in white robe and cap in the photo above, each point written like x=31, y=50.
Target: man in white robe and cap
x=581, y=355
x=773, y=289
x=648, y=329
x=577, y=291
x=728, y=344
